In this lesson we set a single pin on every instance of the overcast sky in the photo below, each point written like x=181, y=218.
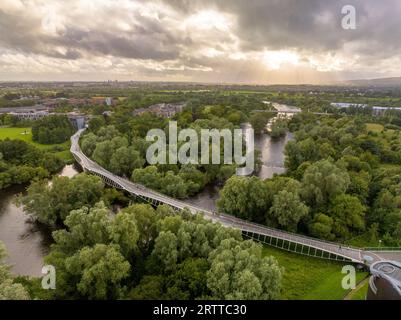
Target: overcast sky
x=249, y=41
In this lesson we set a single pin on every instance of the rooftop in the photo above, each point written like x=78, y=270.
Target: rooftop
x=356, y=105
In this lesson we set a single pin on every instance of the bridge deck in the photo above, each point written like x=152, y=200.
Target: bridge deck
x=251, y=229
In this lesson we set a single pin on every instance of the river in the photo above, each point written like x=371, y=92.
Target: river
x=26, y=241
x=272, y=158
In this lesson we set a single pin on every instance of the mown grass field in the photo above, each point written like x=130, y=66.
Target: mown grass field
x=374, y=127
x=307, y=278
x=384, y=135
x=363, y=241
x=25, y=134
x=361, y=293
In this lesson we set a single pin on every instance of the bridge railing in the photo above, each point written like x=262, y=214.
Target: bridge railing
x=382, y=249
x=75, y=149
x=289, y=234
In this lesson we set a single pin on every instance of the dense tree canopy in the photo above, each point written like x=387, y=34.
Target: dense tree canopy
x=278, y=128
x=21, y=163
x=276, y=202
x=244, y=198
x=51, y=203
x=346, y=177
x=142, y=253
x=52, y=129
x=322, y=182
x=9, y=289
x=238, y=272
x=335, y=189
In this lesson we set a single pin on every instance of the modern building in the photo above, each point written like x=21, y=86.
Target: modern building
x=376, y=109
x=385, y=282
x=342, y=105
x=108, y=101
x=77, y=121
x=34, y=108
x=34, y=115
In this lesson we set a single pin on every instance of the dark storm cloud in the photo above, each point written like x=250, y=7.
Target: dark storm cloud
x=273, y=24
x=124, y=34
x=23, y=35
x=146, y=40
x=308, y=24
x=139, y=45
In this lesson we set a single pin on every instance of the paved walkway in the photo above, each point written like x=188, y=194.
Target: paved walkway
x=349, y=253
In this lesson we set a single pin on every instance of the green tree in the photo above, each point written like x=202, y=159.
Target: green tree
x=322, y=182
x=166, y=250
x=103, y=152
x=149, y=177
x=149, y=288
x=51, y=203
x=124, y=160
x=278, y=129
x=287, y=210
x=95, y=123
x=146, y=219
x=173, y=185
x=348, y=214
x=85, y=228
x=107, y=133
x=194, y=179
x=52, y=129
x=124, y=232
x=259, y=122
x=322, y=227
x=244, y=198
x=88, y=144
x=238, y=271
x=9, y=290
x=99, y=271
x=189, y=281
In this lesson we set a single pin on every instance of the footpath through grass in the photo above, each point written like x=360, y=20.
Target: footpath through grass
x=307, y=278
x=25, y=134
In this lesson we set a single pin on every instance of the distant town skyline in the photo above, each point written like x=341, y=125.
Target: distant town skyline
x=227, y=41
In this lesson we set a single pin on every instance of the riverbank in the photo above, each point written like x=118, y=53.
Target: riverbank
x=26, y=241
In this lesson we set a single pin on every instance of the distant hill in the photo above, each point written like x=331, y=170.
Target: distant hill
x=381, y=82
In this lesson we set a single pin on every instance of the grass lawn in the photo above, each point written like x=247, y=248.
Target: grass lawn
x=363, y=241
x=361, y=293
x=374, y=127
x=25, y=134
x=307, y=278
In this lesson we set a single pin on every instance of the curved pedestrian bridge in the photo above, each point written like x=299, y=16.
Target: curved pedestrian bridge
x=269, y=236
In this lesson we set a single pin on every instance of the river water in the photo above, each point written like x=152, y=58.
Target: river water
x=26, y=241
x=272, y=158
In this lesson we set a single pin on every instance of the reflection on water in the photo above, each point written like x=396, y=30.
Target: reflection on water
x=272, y=157
x=207, y=199
x=272, y=154
x=69, y=171
x=26, y=241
